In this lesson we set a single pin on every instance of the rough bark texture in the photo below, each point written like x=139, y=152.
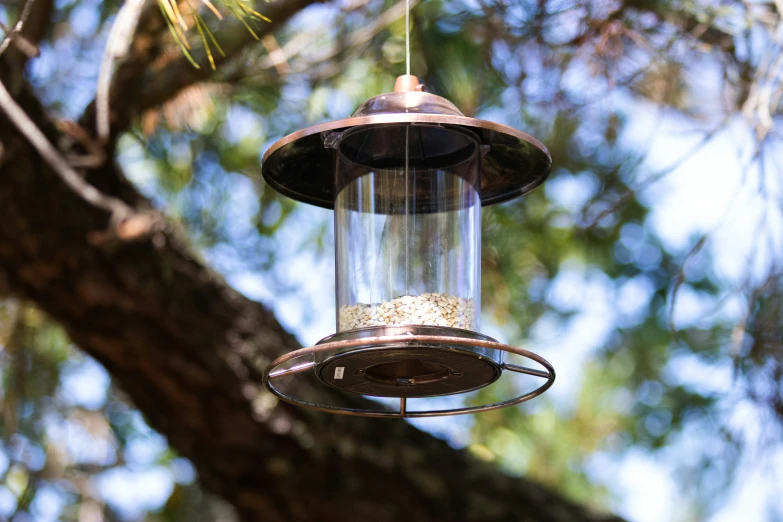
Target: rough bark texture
x=186, y=347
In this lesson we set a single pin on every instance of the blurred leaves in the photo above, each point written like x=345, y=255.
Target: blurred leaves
x=62, y=433
x=759, y=348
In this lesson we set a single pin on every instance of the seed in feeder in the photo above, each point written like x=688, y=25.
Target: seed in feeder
x=428, y=308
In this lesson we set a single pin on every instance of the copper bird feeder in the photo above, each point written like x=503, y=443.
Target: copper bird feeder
x=407, y=176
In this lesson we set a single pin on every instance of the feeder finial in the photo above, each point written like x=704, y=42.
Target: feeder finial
x=408, y=83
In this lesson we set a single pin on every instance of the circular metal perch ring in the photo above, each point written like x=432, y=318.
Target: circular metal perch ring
x=272, y=373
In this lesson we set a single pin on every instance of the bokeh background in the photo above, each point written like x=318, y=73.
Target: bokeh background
x=648, y=269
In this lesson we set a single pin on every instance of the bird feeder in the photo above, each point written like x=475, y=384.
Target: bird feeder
x=407, y=176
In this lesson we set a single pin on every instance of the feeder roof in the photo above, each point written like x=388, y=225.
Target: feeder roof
x=302, y=165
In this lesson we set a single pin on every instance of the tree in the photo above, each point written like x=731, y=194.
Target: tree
x=82, y=244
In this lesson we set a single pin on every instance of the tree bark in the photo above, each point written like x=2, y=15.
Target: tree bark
x=187, y=348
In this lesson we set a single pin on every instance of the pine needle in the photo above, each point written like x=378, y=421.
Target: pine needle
x=170, y=15
x=176, y=36
x=241, y=17
x=179, y=16
x=167, y=10
x=252, y=11
x=211, y=35
x=200, y=29
x=213, y=9
x=177, y=25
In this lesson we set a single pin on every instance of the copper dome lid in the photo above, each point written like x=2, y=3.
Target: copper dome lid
x=302, y=165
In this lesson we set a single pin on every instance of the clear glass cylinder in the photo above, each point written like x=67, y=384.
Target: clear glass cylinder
x=408, y=227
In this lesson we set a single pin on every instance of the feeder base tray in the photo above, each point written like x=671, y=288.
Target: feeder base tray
x=408, y=369
x=408, y=372
x=405, y=362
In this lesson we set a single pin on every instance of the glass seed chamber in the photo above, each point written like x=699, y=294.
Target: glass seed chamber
x=407, y=227
x=407, y=176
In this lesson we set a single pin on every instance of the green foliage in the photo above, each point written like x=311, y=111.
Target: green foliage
x=63, y=433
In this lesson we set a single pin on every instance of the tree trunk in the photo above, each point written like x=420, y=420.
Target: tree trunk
x=186, y=347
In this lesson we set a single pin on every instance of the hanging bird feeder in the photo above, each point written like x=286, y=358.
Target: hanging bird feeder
x=407, y=176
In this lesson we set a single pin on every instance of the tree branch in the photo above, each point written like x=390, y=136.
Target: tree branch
x=14, y=35
x=149, y=76
x=116, y=208
x=686, y=21
x=117, y=46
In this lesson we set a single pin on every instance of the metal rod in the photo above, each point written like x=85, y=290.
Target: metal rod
x=396, y=339
x=524, y=369
x=407, y=211
x=403, y=401
x=293, y=369
x=407, y=37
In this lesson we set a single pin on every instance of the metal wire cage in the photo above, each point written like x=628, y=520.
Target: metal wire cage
x=407, y=176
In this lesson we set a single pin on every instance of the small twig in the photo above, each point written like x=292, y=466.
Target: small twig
x=117, y=46
x=694, y=251
x=115, y=207
x=14, y=36
x=80, y=135
x=655, y=178
x=680, y=279
x=276, y=54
